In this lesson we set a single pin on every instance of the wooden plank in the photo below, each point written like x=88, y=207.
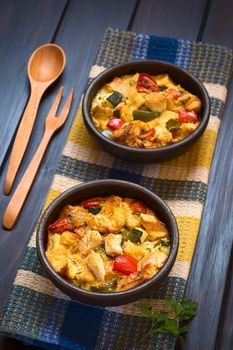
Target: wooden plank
x=24, y=25
x=219, y=25
x=11, y=344
x=80, y=34
x=81, y=20
x=225, y=330
x=209, y=279
x=179, y=19
x=206, y=282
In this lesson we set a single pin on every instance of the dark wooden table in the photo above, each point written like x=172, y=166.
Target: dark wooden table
x=78, y=26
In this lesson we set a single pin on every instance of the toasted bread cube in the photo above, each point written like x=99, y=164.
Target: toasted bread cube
x=99, y=223
x=53, y=241
x=110, y=219
x=155, y=228
x=78, y=270
x=96, y=265
x=161, y=258
x=91, y=240
x=69, y=239
x=163, y=136
x=113, y=244
x=58, y=259
x=77, y=215
x=156, y=102
x=151, y=263
x=132, y=220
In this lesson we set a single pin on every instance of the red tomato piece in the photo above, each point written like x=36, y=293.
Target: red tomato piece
x=187, y=116
x=60, y=226
x=138, y=207
x=146, y=83
x=149, y=134
x=174, y=134
x=91, y=203
x=125, y=264
x=176, y=93
x=115, y=123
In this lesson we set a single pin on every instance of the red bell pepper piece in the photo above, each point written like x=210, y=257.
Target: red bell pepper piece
x=187, y=116
x=176, y=93
x=125, y=264
x=138, y=207
x=60, y=226
x=149, y=134
x=115, y=123
x=91, y=203
x=146, y=83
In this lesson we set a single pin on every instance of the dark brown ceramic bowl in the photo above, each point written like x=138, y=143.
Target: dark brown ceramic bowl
x=76, y=195
x=142, y=155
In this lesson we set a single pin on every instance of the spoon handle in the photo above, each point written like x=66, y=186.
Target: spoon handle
x=52, y=124
x=23, y=135
x=16, y=203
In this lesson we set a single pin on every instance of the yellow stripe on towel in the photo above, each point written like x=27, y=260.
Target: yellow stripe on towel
x=188, y=230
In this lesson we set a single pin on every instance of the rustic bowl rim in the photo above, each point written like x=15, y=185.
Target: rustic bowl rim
x=60, y=281
x=147, y=151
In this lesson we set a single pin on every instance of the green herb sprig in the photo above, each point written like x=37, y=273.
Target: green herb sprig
x=177, y=325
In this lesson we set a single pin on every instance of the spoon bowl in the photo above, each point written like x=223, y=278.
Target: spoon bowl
x=46, y=64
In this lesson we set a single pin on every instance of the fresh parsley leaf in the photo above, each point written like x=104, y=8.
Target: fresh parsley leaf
x=161, y=322
x=145, y=310
x=184, y=311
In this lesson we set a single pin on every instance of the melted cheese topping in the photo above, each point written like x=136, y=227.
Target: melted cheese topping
x=164, y=103
x=84, y=243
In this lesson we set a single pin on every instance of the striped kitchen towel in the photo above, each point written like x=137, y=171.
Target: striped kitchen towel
x=40, y=314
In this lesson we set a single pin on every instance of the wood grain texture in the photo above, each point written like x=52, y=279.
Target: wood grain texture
x=219, y=25
x=79, y=31
x=208, y=275
x=11, y=344
x=225, y=330
x=213, y=250
x=24, y=25
x=45, y=65
x=179, y=19
x=79, y=34
x=210, y=282
x=53, y=123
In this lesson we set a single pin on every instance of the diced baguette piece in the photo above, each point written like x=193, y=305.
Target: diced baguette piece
x=96, y=265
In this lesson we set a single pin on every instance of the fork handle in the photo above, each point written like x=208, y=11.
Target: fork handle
x=23, y=135
x=17, y=201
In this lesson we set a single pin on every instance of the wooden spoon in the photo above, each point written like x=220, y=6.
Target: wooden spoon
x=52, y=125
x=45, y=65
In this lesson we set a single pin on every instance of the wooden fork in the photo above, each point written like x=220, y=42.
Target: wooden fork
x=52, y=124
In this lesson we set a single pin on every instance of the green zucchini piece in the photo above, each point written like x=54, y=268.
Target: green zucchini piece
x=106, y=287
x=133, y=236
x=144, y=116
x=136, y=235
x=115, y=98
x=126, y=235
x=95, y=209
x=173, y=125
